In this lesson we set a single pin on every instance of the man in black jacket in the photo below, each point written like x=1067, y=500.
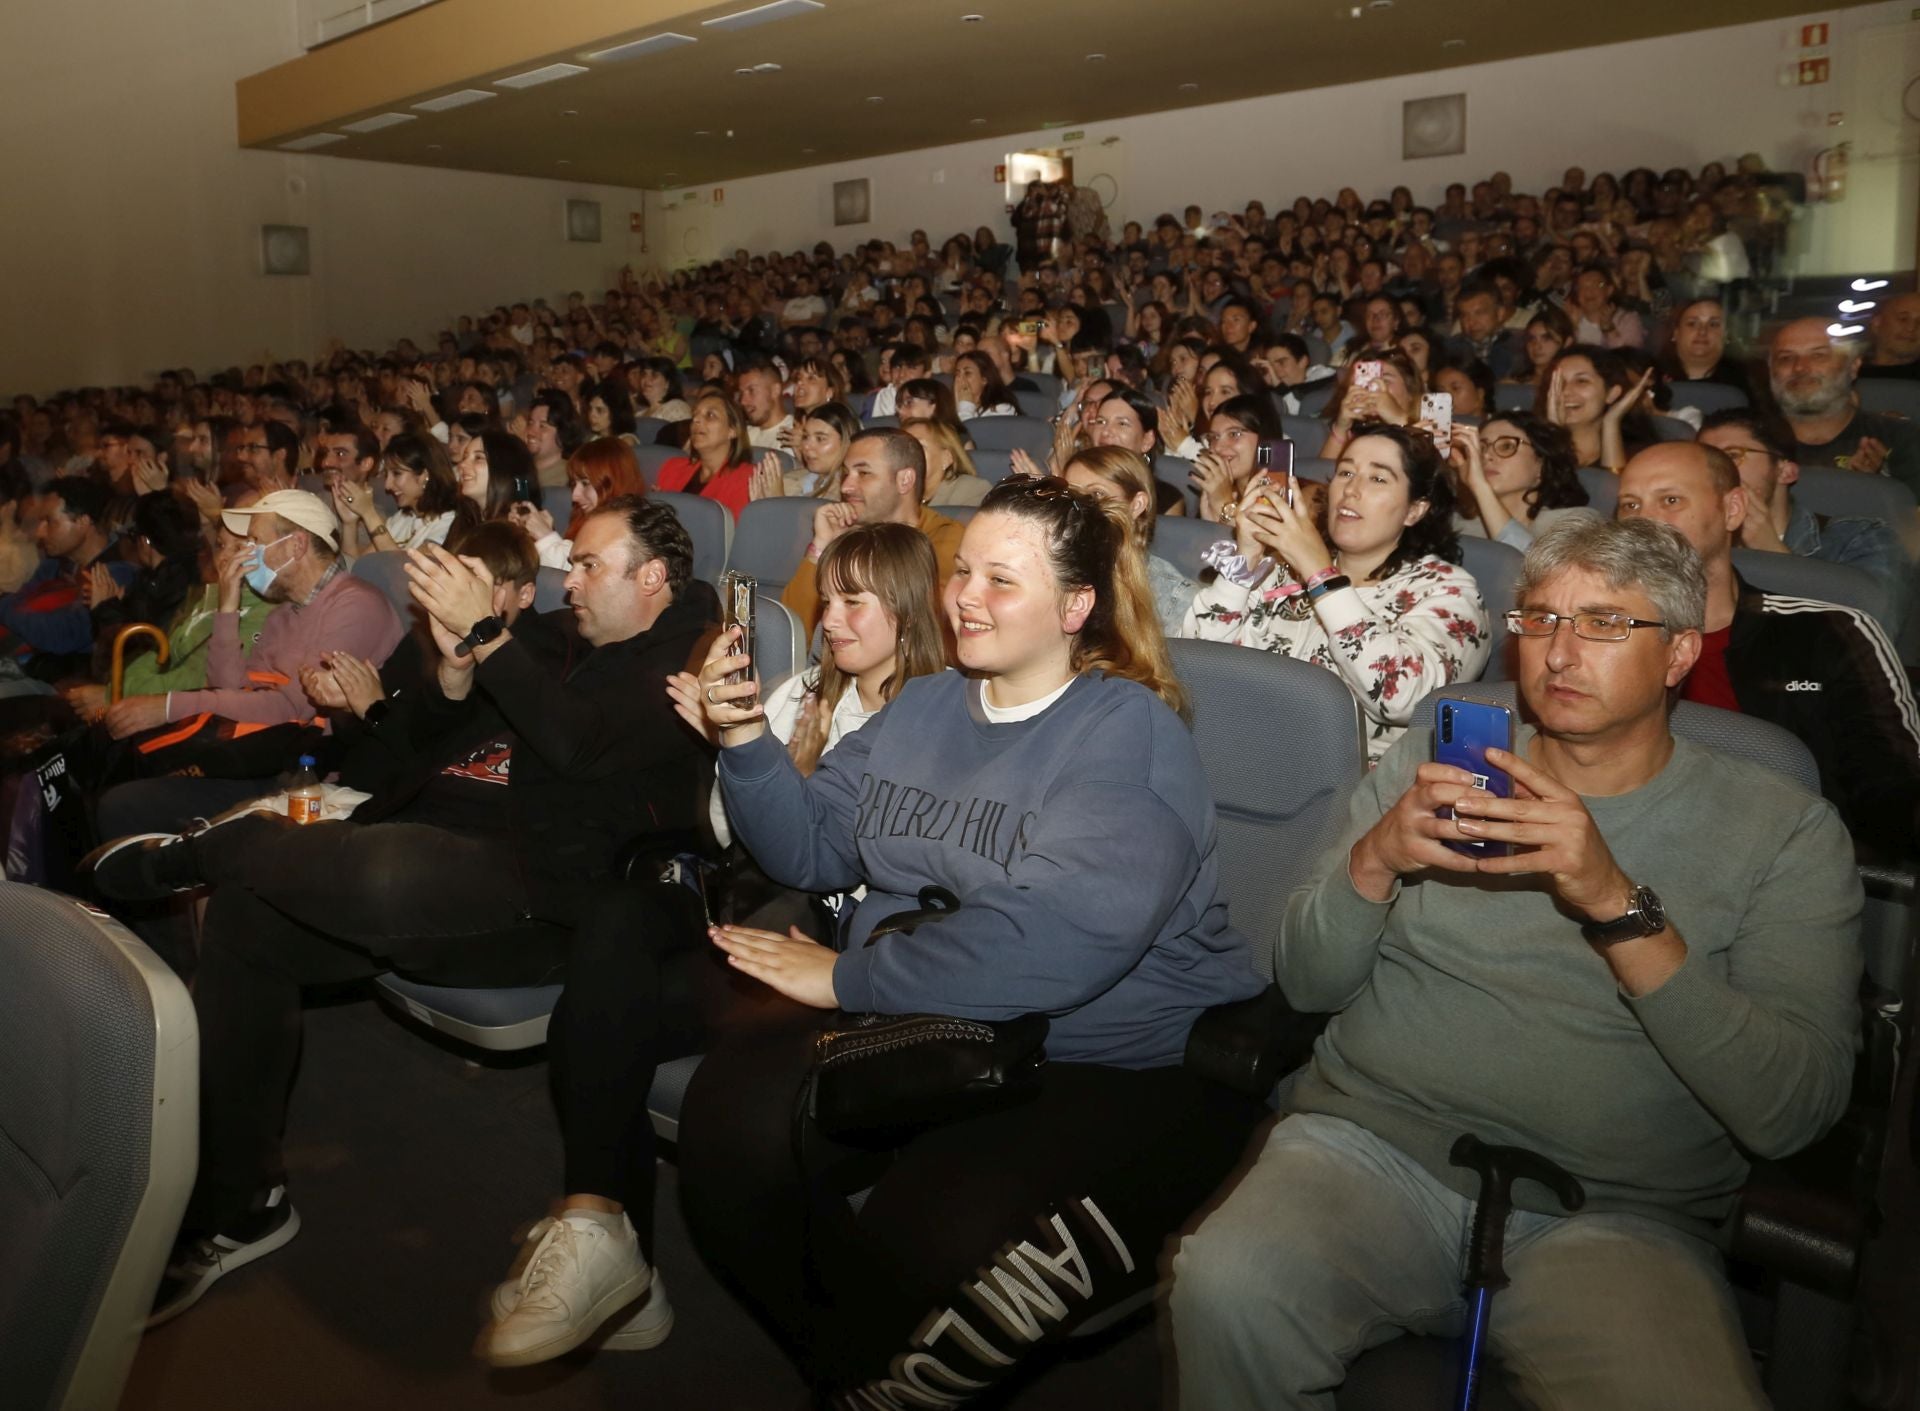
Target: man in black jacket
x=1825, y=672
x=539, y=752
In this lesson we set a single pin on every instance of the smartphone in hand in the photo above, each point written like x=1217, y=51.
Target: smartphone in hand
x=736, y=610
x=1368, y=375
x=1463, y=732
x=1436, y=410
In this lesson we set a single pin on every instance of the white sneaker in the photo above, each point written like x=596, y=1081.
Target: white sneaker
x=581, y=1270
x=642, y=1325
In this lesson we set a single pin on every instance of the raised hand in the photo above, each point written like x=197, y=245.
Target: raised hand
x=727, y=711
x=769, y=482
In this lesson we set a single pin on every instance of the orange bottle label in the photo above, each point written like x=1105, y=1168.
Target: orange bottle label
x=303, y=808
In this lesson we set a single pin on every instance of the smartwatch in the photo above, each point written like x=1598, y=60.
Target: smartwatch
x=481, y=633
x=376, y=713
x=1645, y=917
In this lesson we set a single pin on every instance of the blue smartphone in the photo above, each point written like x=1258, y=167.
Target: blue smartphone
x=1463, y=732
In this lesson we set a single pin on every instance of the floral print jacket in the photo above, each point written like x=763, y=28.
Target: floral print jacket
x=1422, y=627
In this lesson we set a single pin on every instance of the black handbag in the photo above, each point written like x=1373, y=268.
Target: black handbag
x=892, y=1073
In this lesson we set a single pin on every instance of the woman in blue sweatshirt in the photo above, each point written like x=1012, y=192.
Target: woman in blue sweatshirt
x=1053, y=790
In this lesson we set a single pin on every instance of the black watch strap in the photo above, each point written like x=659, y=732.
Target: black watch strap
x=376, y=714
x=481, y=633
x=1644, y=917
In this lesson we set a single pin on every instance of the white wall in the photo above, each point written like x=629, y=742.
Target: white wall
x=129, y=224
x=1680, y=101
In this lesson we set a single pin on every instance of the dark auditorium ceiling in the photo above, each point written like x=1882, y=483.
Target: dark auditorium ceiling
x=1017, y=68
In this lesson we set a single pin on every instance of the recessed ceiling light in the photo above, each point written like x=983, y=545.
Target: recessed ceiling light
x=312, y=140
x=533, y=78
x=460, y=99
x=808, y=151
x=1453, y=44
x=1379, y=4
x=1189, y=88
x=876, y=98
x=633, y=49
x=378, y=121
x=1355, y=12
x=434, y=147
x=563, y=162
x=766, y=68
x=702, y=132
x=743, y=73
x=569, y=112
x=764, y=14
x=1096, y=58
x=971, y=19
x=977, y=122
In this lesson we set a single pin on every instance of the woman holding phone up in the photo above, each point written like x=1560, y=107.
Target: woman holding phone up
x=644, y=986
x=1385, y=604
x=1050, y=788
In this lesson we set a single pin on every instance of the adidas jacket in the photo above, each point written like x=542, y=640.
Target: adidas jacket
x=1828, y=674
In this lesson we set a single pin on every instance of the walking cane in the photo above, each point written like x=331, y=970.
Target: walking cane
x=1498, y=1168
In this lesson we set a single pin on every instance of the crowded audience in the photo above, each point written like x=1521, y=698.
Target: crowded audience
x=1333, y=393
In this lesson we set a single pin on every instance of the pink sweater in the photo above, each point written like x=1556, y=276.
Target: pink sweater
x=347, y=616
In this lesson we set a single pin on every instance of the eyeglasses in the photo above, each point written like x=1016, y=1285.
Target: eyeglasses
x=1738, y=454
x=1594, y=626
x=251, y=446
x=1504, y=446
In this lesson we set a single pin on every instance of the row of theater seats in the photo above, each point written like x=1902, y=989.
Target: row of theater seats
x=98, y=1075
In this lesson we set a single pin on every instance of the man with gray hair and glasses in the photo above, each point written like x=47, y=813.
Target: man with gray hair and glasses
x=1649, y=982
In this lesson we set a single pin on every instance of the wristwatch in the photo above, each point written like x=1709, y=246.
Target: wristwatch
x=1645, y=917
x=481, y=633
x=376, y=713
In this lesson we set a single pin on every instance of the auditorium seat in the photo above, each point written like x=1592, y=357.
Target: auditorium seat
x=1181, y=541
x=1602, y=487
x=387, y=571
x=1005, y=433
x=99, y=1114
x=557, y=500
x=1794, y=576
x=651, y=458
x=550, y=590
x=1894, y=396
x=1513, y=397
x=993, y=465
x=1496, y=568
x=771, y=538
x=1836, y=493
x=1707, y=397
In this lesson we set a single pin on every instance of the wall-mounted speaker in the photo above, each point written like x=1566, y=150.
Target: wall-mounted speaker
x=1434, y=127
x=583, y=221
x=284, y=250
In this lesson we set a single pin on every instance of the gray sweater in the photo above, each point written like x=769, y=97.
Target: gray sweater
x=1080, y=844
x=1472, y=1004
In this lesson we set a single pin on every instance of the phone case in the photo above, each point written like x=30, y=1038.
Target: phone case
x=736, y=609
x=1463, y=732
x=1367, y=376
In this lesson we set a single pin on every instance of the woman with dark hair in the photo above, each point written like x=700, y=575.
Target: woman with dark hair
x=1094, y=900
x=495, y=472
x=164, y=543
x=1234, y=432
x=719, y=460
x=476, y=399
x=1696, y=349
x=427, y=501
x=1374, y=594
x=609, y=410
x=816, y=382
x=1191, y=405
x=1590, y=392
x=1379, y=387
x=1516, y=478
x=1602, y=318
x=925, y=398
x=656, y=389
x=1548, y=331
x=820, y=449
x=1465, y=379
x=978, y=390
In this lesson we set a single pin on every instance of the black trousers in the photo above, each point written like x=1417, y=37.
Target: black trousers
x=979, y=1242
x=644, y=985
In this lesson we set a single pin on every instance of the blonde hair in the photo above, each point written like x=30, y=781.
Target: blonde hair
x=895, y=563
x=1128, y=472
x=949, y=439
x=1091, y=544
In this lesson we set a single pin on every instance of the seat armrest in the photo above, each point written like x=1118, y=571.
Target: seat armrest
x=1806, y=1218
x=1251, y=1044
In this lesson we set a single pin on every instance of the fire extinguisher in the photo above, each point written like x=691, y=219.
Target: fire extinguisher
x=1830, y=173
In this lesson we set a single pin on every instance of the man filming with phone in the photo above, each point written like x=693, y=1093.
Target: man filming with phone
x=1642, y=966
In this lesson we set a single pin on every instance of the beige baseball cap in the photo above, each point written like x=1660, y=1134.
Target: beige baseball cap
x=310, y=512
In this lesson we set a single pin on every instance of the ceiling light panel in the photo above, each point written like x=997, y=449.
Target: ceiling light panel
x=639, y=48
x=378, y=121
x=764, y=14
x=312, y=140
x=447, y=101
x=533, y=78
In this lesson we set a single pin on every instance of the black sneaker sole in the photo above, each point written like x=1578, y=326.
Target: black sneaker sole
x=194, y=1289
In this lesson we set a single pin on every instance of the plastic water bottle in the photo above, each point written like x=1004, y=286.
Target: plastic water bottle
x=304, y=793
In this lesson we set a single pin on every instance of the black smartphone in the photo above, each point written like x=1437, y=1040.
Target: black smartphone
x=736, y=610
x=1275, y=460
x=1463, y=732
x=525, y=489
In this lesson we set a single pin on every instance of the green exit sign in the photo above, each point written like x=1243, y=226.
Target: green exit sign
x=1073, y=136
